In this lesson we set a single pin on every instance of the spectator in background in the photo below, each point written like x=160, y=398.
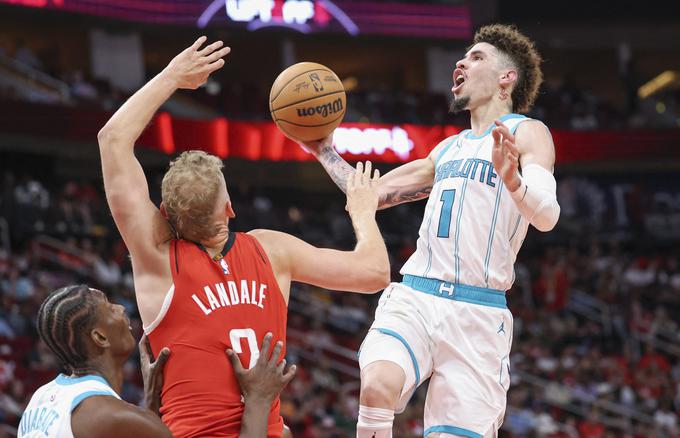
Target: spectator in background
x=82, y=89
x=26, y=56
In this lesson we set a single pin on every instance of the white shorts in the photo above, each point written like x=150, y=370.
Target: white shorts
x=460, y=340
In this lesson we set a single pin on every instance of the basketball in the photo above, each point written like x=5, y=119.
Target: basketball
x=307, y=101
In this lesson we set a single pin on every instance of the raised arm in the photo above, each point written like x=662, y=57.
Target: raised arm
x=365, y=269
x=409, y=182
x=140, y=223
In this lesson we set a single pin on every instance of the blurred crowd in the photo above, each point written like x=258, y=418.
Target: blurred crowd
x=561, y=101
x=596, y=343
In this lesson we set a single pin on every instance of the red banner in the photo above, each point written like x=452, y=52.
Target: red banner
x=355, y=141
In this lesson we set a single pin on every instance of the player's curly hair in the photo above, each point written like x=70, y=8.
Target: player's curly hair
x=189, y=191
x=523, y=55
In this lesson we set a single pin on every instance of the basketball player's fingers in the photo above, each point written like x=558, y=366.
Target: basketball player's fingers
x=289, y=374
x=199, y=42
x=210, y=48
x=511, y=147
x=504, y=131
x=276, y=353
x=280, y=367
x=214, y=66
x=376, y=177
x=496, y=134
x=162, y=358
x=235, y=361
x=264, y=350
x=145, y=352
x=214, y=56
x=358, y=174
x=366, y=176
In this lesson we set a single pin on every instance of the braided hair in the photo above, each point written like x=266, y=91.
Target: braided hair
x=64, y=319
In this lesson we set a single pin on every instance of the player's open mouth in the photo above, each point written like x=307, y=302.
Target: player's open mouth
x=458, y=80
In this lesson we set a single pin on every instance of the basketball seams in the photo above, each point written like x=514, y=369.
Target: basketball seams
x=305, y=100
x=283, y=87
x=323, y=107
x=311, y=126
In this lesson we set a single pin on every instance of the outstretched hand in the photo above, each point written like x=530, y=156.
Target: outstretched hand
x=152, y=373
x=362, y=190
x=266, y=379
x=505, y=156
x=191, y=68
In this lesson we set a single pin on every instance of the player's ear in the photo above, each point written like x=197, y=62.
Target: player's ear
x=229, y=210
x=508, y=78
x=163, y=210
x=99, y=338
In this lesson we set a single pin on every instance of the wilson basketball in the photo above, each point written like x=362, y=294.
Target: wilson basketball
x=307, y=101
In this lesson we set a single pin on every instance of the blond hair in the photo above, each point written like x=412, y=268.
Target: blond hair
x=190, y=188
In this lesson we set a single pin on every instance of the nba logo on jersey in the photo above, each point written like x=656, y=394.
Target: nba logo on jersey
x=225, y=266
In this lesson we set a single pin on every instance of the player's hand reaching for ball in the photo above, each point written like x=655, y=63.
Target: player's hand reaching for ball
x=264, y=381
x=505, y=156
x=362, y=190
x=191, y=68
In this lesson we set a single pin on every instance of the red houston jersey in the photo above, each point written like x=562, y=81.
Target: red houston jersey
x=214, y=305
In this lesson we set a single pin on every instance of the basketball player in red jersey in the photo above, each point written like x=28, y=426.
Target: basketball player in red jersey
x=202, y=288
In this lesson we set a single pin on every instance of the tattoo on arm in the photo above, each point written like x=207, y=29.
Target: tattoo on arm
x=340, y=171
x=407, y=195
x=337, y=168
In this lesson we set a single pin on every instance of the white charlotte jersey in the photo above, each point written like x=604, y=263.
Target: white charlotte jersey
x=471, y=230
x=49, y=411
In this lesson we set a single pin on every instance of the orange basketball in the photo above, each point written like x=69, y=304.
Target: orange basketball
x=307, y=101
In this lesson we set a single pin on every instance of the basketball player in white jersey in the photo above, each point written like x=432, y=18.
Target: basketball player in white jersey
x=92, y=339
x=448, y=319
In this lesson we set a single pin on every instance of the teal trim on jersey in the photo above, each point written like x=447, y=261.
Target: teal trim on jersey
x=456, y=247
x=410, y=352
x=488, y=130
x=446, y=148
x=514, y=128
x=79, y=399
x=519, y=217
x=64, y=380
x=452, y=430
x=457, y=292
x=492, y=231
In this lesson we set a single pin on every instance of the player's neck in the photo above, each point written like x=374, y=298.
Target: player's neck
x=483, y=116
x=108, y=368
x=215, y=247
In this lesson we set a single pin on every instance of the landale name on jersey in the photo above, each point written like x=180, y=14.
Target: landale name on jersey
x=467, y=168
x=249, y=292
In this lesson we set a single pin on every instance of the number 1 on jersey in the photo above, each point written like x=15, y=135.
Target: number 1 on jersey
x=447, y=199
x=235, y=337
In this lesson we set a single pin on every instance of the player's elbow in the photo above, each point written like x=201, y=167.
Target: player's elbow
x=547, y=216
x=109, y=136
x=378, y=276
x=106, y=136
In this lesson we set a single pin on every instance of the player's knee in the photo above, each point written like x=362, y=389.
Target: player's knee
x=381, y=388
